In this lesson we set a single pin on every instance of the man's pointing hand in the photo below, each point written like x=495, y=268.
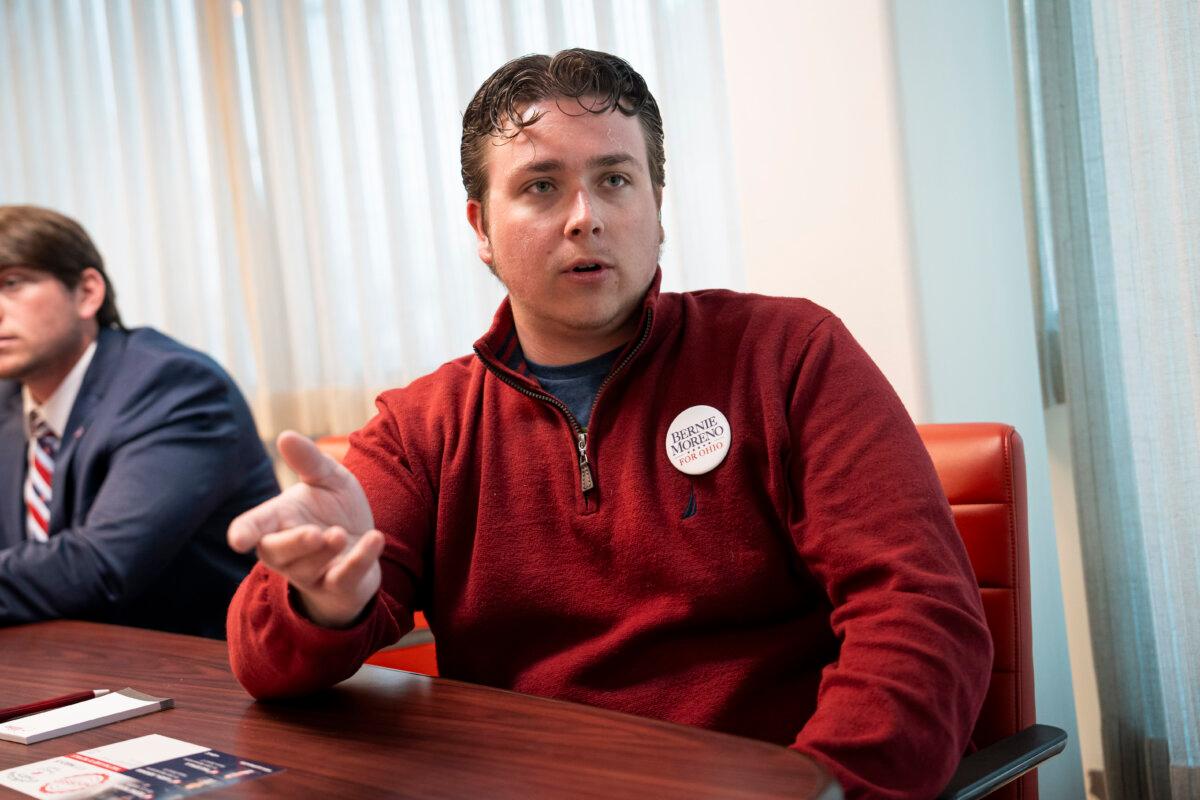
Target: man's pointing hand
x=319, y=534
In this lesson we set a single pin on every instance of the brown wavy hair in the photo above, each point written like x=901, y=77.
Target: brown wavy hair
x=47, y=240
x=608, y=82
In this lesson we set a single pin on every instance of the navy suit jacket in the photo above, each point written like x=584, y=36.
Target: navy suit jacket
x=160, y=453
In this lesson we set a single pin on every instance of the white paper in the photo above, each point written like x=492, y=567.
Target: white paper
x=134, y=753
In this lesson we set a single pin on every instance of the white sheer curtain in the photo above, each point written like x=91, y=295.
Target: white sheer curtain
x=276, y=182
x=1117, y=133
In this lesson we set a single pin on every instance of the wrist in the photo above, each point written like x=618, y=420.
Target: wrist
x=318, y=614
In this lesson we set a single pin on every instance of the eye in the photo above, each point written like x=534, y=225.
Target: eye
x=615, y=180
x=11, y=283
x=541, y=187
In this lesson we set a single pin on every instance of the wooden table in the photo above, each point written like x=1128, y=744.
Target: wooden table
x=388, y=733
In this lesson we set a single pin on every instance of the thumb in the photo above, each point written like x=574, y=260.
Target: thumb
x=306, y=460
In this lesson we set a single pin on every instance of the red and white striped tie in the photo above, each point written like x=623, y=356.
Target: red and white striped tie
x=40, y=479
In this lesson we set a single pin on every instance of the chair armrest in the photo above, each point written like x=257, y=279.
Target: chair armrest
x=988, y=769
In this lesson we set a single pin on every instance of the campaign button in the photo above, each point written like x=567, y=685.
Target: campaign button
x=698, y=440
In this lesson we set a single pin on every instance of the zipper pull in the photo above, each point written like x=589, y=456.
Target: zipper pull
x=585, y=472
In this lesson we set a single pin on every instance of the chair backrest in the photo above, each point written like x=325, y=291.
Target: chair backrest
x=982, y=470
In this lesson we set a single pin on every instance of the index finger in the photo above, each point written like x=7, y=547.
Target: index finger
x=250, y=526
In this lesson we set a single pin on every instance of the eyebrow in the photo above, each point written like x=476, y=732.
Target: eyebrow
x=556, y=165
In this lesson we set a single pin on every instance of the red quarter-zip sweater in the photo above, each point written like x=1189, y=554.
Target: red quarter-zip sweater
x=817, y=596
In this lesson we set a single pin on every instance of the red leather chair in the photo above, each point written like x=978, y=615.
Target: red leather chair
x=415, y=652
x=982, y=470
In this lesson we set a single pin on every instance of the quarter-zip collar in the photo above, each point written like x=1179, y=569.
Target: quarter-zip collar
x=495, y=348
x=499, y=345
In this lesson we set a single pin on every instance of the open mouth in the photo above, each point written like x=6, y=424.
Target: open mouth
x=587, y=268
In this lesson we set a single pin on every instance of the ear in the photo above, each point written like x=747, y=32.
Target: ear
x=90, y=293
x=475, y=216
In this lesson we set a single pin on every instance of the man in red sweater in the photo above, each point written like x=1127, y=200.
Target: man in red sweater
x=708, y=508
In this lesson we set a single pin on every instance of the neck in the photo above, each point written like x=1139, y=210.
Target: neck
x=45, y=383
x=559, y=348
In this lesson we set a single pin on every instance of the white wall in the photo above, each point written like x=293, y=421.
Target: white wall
x=877, y=170
x=819, y=174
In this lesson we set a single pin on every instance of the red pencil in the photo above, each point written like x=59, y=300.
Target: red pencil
x=45, y=705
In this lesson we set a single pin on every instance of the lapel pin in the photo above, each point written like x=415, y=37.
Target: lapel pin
x=698, y=440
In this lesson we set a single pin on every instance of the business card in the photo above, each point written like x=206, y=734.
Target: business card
x=145, y=768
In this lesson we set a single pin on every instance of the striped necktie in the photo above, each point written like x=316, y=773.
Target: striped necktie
x=40, y=478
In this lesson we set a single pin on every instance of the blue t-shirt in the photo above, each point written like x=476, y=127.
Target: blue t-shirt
x=576, y=384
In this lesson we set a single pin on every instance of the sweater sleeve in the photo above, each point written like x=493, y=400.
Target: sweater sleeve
x=871, y=523
x=275, y=651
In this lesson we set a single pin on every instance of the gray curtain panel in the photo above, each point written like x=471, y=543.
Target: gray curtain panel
x=1115, y=100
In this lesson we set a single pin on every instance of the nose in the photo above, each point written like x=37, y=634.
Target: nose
x=582, y=219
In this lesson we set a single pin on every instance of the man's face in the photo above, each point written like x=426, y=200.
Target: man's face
x=571, y=224
x=44, y=326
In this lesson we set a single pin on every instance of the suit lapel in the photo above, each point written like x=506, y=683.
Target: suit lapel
x=13, y=448
x=109, y=348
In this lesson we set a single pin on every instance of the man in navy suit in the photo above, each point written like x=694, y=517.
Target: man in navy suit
x=123, y=454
